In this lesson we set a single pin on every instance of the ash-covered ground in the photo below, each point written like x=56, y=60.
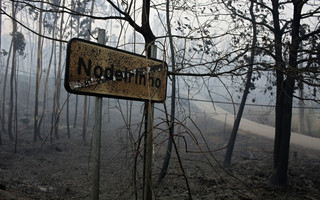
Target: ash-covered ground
x=62, y=170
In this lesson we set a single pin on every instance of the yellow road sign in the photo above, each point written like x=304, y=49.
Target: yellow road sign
x=98, y=70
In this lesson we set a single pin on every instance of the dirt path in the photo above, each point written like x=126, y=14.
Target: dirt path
x=256, y=128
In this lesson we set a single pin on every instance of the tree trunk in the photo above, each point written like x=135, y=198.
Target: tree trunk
x=148, y=106
x=77, y=97
x=13, y=67
x=26, y=112
x=285, y=90
x=301, y=121
x=76, y=112
x=46, y=81
x=16, y=110
x=227, y=159
x=58, y=83
x=4, y=90
x=309, y=126
x=173, y=100
x=36, y=133
x=68, y=124
x=84, y=120
x=53, y=110
x=0, y=33
x=68, y=103
x=0, y=63
x=85, y=104
x=282, y=140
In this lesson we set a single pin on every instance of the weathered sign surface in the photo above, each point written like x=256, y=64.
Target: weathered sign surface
x=98, y=70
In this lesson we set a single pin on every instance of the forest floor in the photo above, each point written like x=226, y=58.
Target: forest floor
x=62, y=170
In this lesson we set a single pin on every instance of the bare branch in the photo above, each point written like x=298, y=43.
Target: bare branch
x=29, y=29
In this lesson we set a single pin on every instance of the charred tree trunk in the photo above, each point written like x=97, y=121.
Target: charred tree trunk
x=47, y=80
x=227, y=159
x=0, y=65
x=173, y=100
x=285, y=90
x=68, y=124
x=279, y=66
x=53, y=109
x=13, y=67
x=77, y=97
x=84, y=120
x=26, y=111
x=36, y=133
x=149, y=38
x=58, y=83
x=85, y=103
x=16, y=110
x=301, y=121
x=4, y=90
x=76, y=112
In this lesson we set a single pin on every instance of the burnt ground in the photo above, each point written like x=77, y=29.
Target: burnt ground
x=62, y=170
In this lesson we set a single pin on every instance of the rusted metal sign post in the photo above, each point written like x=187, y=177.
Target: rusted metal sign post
x=97, y=134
